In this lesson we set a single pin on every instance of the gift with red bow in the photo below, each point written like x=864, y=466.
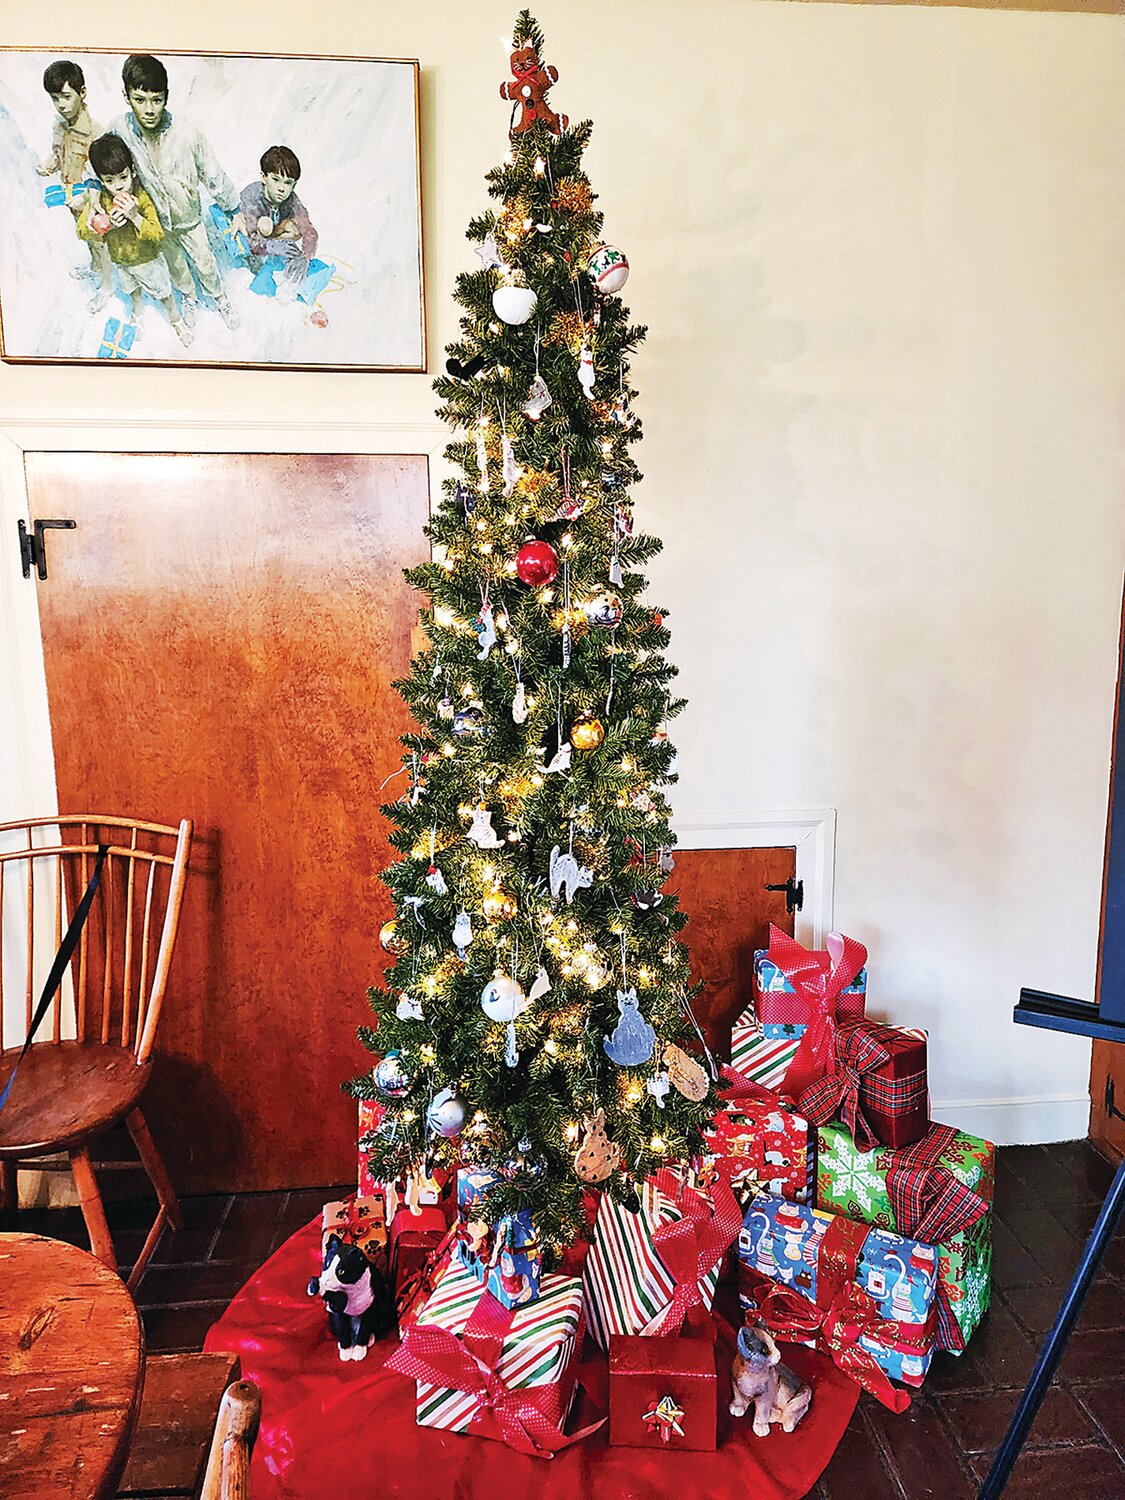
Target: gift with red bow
x=865, y=1295
x=502, y=1373
x=786, y=1039
x=877, y=1086
x=663, y=1393
x=939, y=1190
x=771, y=1149
x=358, y=1221
x=651, y=1271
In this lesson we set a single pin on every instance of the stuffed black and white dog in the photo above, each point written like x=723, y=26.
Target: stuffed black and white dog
x=360, y=1308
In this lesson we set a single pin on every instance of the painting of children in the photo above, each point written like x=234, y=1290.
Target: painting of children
x=160, y=259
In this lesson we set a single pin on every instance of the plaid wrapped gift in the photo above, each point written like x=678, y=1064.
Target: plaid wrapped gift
x=824, y=1259
x=940, y=1190
x=503, y=1373
x=879, y=1086
x=784, y=1040
x=358, y=1221
x=506, y=1257
x=647, y=1270
x=663, y=1393
x=772, y=1149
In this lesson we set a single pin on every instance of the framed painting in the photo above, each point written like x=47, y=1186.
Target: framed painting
x=210, y=209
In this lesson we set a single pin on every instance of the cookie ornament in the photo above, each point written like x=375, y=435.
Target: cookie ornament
x=530, y=81
x=598, y=1157
x=689, y=1078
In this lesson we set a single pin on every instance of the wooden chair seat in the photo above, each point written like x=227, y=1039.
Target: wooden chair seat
x=66, y=1093
x=179, y=1405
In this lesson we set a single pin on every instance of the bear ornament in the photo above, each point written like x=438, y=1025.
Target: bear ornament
x=529, y=90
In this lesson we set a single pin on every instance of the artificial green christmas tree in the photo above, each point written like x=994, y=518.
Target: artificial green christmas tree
x=539, y=991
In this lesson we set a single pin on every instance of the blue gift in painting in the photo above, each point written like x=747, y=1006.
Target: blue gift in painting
x=505, y=1257
x=63, y=194
x=117, y=339
x=235, y=248
x=783, y=1240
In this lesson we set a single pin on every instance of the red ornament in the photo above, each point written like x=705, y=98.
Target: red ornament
x=536, y=563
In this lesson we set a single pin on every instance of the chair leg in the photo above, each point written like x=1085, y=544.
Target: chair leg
x=9, y=1189
x=93, y=1210
x=154, y=1166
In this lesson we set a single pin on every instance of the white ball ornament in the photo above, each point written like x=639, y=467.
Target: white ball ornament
x=514, y=304
x=609, y=268
x=503, y=999
x=446, y=1114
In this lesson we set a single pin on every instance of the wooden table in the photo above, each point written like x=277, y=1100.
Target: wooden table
x=71, y=1370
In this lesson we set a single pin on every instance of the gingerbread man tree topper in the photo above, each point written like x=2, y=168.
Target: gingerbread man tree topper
x=528, y=89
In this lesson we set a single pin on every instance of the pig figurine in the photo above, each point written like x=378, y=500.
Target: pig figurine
x=759, y=1377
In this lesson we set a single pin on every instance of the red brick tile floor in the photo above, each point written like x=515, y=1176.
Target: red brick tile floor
x=1047, y=1199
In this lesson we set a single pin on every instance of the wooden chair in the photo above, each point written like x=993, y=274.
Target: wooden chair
x=192, y=1415
x=92, y=1057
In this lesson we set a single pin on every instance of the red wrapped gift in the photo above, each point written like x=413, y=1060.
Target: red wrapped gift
x=879, y=1087
x=414, y=1239
x=812, y=992
x=771, y=1148
x=663, y=1393
x=371, y=1114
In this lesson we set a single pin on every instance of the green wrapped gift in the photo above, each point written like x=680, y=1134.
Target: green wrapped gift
x=938, y=1190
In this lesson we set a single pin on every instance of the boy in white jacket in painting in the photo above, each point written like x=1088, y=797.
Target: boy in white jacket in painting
x=174, y=161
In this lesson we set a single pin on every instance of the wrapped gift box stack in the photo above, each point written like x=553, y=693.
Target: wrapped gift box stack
x=806, y=1046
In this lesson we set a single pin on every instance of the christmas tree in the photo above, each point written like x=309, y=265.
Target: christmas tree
x=535, y=1016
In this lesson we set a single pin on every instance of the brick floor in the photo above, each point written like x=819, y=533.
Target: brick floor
x=1047, y=1197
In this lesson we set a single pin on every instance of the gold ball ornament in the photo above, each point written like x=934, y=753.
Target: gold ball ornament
x=573, y=196
x=575, y=618
x=587, y=732
x=388, y=938
x=499, y=906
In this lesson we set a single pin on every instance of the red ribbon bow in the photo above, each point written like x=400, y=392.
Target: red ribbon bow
x=693, y=1245
x=836, y=1328
x=931, y=1205
x=819, y=986
x=527, y=1420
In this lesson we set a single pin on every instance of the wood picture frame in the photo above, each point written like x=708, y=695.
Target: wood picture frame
x=260, y=211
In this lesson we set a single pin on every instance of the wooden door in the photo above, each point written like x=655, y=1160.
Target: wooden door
x=1107, y=1071
x=724, y=894
x=220, y=635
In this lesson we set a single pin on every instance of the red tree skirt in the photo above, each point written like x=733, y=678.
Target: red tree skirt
x=333, y=1428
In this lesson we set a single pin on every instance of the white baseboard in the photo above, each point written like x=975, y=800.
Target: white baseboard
x=1018, y=1122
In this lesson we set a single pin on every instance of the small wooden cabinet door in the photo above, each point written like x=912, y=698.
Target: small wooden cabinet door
x=220, y=634
x=724, y=894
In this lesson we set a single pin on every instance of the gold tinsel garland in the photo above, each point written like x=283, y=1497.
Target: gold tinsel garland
x=573, y=196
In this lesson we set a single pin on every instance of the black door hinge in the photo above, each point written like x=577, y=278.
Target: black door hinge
x=1110, y=1103
x=794, y=894
x=33, y=548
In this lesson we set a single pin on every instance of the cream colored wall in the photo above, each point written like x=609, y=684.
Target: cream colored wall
x=879, y=250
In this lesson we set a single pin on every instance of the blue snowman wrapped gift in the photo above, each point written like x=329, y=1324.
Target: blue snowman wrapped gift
x=811, y=1253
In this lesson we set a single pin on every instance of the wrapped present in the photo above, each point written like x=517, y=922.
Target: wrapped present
x=785, y=1039
x=506, y=1256
x=117, y=339
x=358, y=1221
x=371, y=1113
x=65, y=194
x=848, y=1276
x=503, y=1373
x=939, y=1190
x=646, y=1271
x=772, y=1149
x=878, y=1086
x=235, y=246
x=418, y=1257
x=663, y=1393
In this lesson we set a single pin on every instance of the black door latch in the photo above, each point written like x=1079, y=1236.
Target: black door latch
x=794, y=894
x=1110, y=1103
x=33, y=547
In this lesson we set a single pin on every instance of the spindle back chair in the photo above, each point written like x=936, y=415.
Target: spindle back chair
x=93, y=1052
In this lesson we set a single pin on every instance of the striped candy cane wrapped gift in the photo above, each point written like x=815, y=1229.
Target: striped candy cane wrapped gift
x=646, y=1270
x=540, y=1347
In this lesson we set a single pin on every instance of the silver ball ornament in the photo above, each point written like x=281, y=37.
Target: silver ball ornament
x=446, y=1114
x=390, y=1076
